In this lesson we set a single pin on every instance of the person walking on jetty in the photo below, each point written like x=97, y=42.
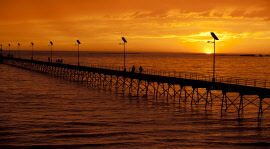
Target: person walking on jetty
x=133, y=69
x=141, y=69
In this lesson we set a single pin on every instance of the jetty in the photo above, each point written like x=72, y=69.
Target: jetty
x=170, y=87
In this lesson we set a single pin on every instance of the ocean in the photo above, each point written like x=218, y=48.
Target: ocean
x=41, y=111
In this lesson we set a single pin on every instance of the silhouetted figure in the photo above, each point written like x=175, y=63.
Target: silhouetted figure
x=10, y=55
x=49, y=59
x=140, y=69
x=133, y=69
x=31, y=58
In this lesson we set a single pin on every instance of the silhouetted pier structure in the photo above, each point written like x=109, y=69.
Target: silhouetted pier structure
x=176, y=87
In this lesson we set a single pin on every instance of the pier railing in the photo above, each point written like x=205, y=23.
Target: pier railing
x=219, y=79
x=192, y=76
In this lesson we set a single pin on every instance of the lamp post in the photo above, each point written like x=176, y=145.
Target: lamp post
x=9, y=50
x=51, y=44
x=1, y=59
x=19, y=50
x=214, y=55
x=32, y=44
x=78, y=41
x=1, y=49
x=125, y=41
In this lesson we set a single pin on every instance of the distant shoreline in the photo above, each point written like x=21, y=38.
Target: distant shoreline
x=139, y=52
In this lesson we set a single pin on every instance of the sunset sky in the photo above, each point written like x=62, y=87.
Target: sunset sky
x=243, y=26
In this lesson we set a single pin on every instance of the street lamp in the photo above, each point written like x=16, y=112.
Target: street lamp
x=51, y=44
x=32, y=44
x=9, y=50
x=214, y=56
x=125, y=41
x=19, y=50
x=78, y=41
x=1, y=49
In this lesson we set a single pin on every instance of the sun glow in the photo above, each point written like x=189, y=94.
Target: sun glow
x=149, y=26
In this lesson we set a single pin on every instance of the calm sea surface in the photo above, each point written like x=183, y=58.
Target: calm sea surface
x=37, y=110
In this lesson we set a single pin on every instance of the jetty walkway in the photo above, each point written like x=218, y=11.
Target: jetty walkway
x=171, y=87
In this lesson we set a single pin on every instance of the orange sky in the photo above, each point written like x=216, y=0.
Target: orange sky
x=243, y=26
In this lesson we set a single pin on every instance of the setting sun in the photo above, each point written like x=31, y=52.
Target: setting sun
x=208, y=52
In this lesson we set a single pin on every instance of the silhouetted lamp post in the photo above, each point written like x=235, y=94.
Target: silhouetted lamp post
x=9, y=50
x=1, y=49
x=214, y=56
x=125, y=41
x=19, y=50
x=51, y=44
x=78, y=41
x=32, y=44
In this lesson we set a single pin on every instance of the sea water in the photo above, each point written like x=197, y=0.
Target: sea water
x=37, y=110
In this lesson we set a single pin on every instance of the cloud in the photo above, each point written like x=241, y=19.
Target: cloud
x=51, y=9
x=104, y=21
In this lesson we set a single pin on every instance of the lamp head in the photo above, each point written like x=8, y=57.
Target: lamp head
x=32, y=43
x=214, y=36
x=51, y=42
x=123, y=38
x=78, y=41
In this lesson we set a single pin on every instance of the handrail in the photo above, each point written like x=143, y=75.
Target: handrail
x=191, y=75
